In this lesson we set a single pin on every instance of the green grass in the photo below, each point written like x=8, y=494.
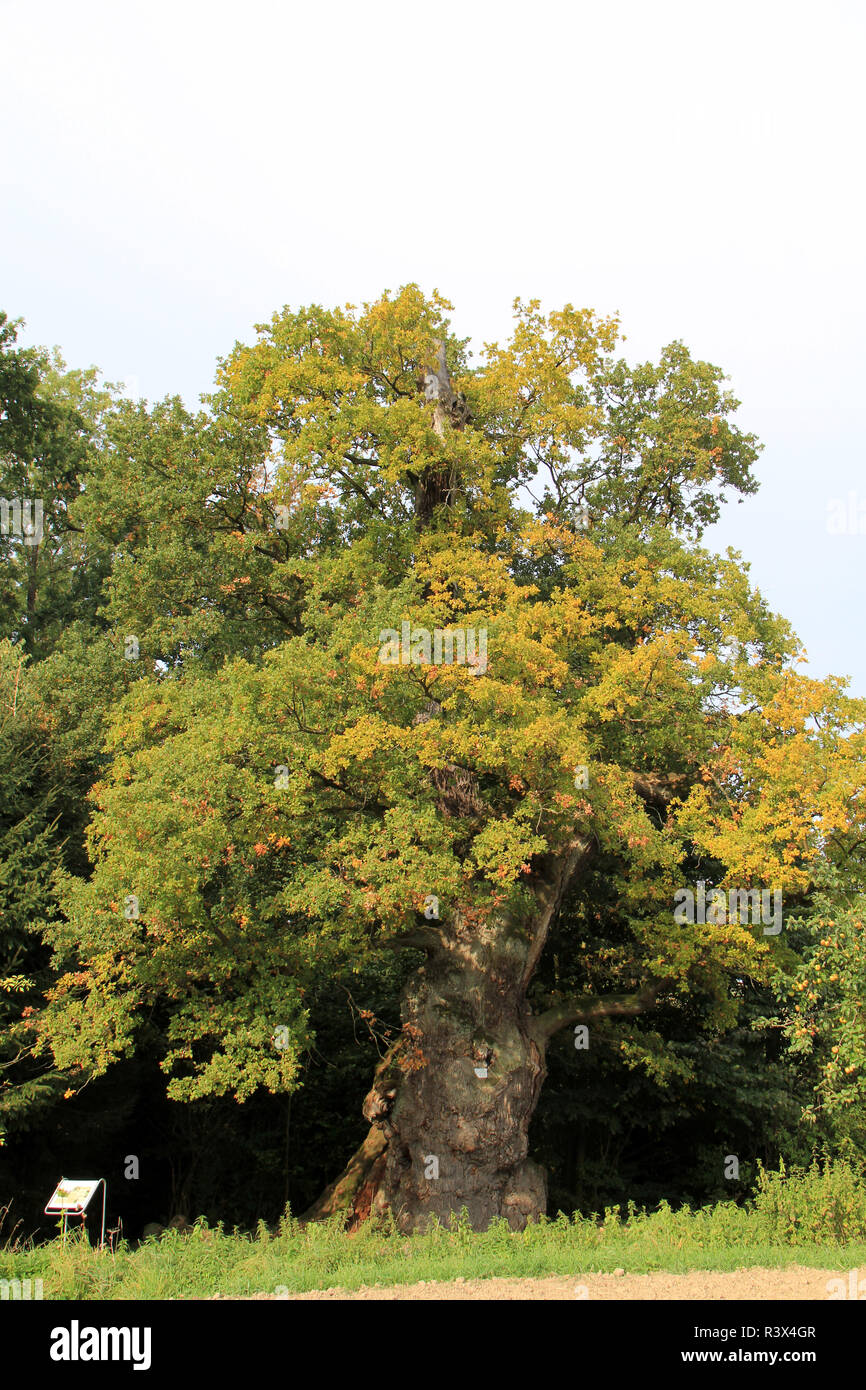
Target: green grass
x=815, y=1217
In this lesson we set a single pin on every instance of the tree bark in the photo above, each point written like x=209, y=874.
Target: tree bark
x=450, y=1120
x=437, y=484
x=457, y=1124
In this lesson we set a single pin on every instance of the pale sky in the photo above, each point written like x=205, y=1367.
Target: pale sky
x=172, y=174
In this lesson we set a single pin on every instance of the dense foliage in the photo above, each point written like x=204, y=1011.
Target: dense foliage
x=222, y=813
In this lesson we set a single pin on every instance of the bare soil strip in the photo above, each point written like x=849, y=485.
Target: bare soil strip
x=797, y=1281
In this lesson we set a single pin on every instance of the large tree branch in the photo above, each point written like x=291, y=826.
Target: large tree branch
x=421, y=939
x=360, y=489
x=661, y=786
x=587, y=1007
x=549, y=893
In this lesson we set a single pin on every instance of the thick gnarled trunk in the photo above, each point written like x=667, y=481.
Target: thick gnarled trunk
x=450, y=1114
x=457, y=1123
x=450, y=1119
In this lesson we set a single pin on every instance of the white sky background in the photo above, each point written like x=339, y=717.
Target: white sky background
x=172, y=174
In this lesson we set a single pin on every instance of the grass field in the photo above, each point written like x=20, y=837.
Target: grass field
x=815, y=1217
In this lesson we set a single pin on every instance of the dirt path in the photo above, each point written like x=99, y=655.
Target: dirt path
x=797, y=1281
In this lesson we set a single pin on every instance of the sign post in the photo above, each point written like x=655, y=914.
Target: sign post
x=71, y=1197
